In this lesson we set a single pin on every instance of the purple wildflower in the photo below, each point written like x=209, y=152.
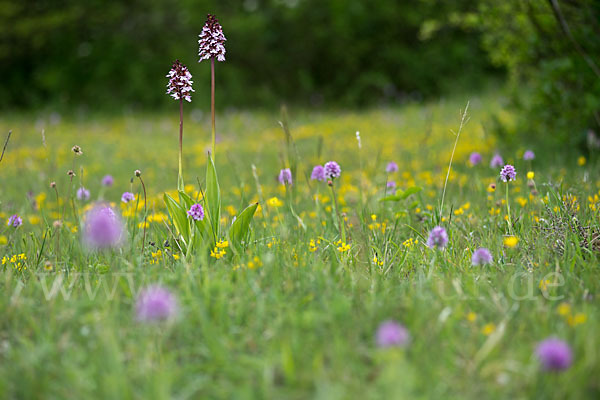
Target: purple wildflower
x=391, y=167
x=481, y=256
x=475, y=158
x=508, y=173
x=438, y=238
x=212, y=40
x=285, y=176
x=496, y=161
x=83, y=194
x=196, y=211
x=102, y=228
x=332, y=169
x=392, y=334
x=107, y=180
x=127, y=197
x=180, y=82
x=554, y=354
x=155, y=303
x=528, y=155
x=318, y=173
x=391, y=184
x=15, y=221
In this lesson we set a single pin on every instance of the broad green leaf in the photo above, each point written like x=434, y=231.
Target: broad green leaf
x=402, y=194
x=240, y=227
x=178, y=217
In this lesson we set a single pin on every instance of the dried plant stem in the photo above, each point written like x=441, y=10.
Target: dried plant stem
x=463, y=122
x=5, y=145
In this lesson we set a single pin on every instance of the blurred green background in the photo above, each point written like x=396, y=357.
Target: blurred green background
x=104, y=55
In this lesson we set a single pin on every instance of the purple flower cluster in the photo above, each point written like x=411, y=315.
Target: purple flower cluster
x=481, y=256
x=392, y=334
x=475, y=158
x=102, y=228
x=508, y=173
x=318, y=173
x=554, y=354
x=127, y=197
x=285, y=176
x=83, y=194
x=196, y=211
x=212, y=40
x=438, y=238
x=155, y=303
x=107, y=180
x=332, y=170
x=528, y=155
x=180, y=82
x=15, y=221
x=391, y=167
x=391, y=184
x=496, y=161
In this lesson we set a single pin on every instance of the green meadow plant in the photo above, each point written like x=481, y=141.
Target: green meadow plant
x=197, y=223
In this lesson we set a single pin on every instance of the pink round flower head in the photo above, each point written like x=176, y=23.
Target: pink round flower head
x=318, y=173
x=83, y=194
x=391, y=184
x=508, y=173
x=481, y=256
x=391, y=167
x=438, y=238
x=496, y=161
x=285, y=176
x=392, y=334
x=15, y=221
x=102, y=228
x=332, y=170
x=528, y=155
x=554, y=354
x=107, y=180
x=180, y=82
x=212, y=40
x=127, y=197
x=196, y=212
x=474, y=158
x=155, y=303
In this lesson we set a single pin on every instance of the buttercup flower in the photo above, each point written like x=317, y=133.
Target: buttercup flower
x=107, y=180
x=508, y=173
x=554, y=354
x=180, y=82
x=155, y=303
x=318, y=173
x=481, y=256
x=15, y=221
x=196, y=211
x=127, y=197
x=332, y=170
x=438, y=238
x=83, y=194
x=475, y=158
x=212, y=40
x=392, y=334
x=528, y=155
x=285, y=176
x=391, y=167
x=496, y=161
x=102, y=228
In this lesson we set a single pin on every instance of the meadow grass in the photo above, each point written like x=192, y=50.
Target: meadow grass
x=294, y=315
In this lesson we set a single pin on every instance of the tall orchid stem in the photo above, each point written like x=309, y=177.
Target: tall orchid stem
x=212, y=103
x=508, y=211
x=338, y=215
x=180, y=185
x=145, y=214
